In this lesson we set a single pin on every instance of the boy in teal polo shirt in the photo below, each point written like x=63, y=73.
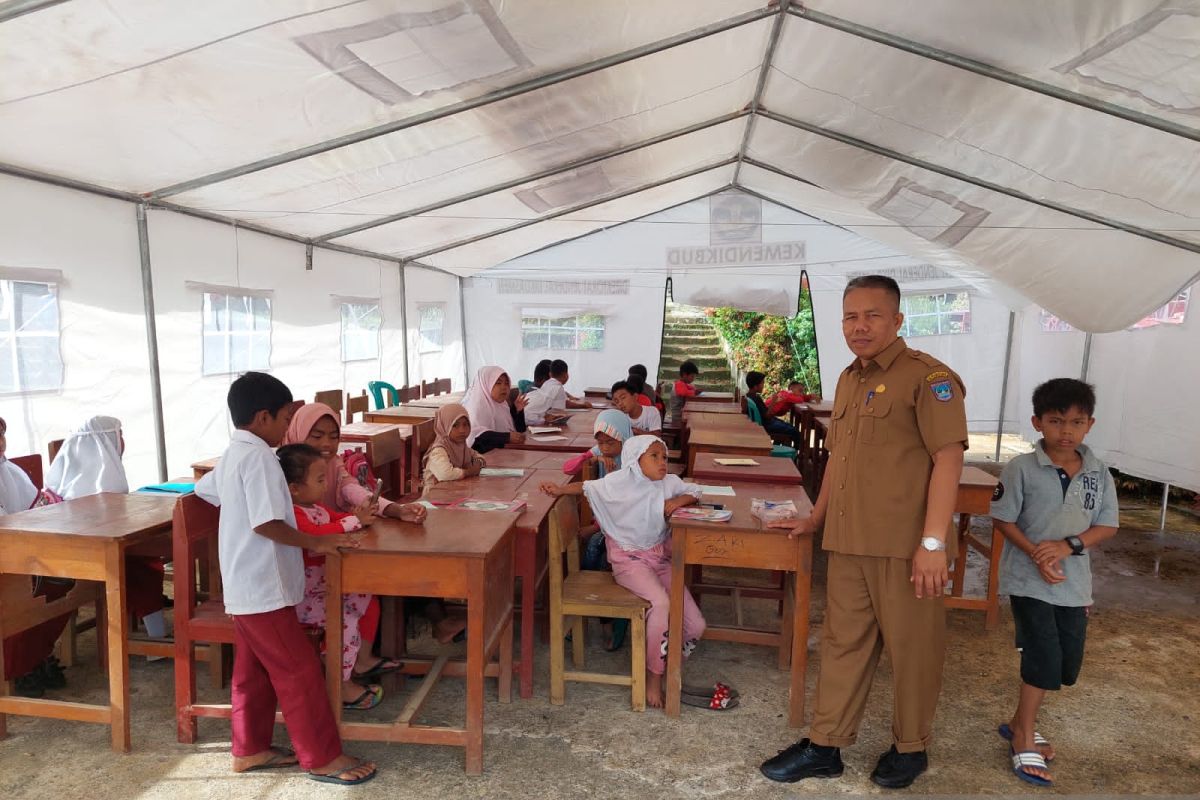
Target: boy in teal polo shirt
x=1052, y=505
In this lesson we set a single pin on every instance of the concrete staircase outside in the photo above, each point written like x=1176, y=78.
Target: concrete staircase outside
x=688, y=334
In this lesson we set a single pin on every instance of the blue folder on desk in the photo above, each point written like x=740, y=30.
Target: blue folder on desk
x=167, y=488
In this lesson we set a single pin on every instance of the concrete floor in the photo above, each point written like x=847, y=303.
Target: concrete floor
x=1130, y=726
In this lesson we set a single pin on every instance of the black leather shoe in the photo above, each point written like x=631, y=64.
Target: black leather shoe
x=803, y=760
x=898, y=770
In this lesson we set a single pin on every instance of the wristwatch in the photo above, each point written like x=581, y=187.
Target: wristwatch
x=1076, y=545
x=932, y=544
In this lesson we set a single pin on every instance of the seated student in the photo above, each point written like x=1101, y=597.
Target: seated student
x=262, y=572
x=450, y=458
x=551, y=395
x=684, y=388
x=651, y=391
x=304, y=470
x=88, y=463
x=541, y=374
x=781, y=402
x=316, y=425
x=774, y=425
x=28, y=656
x=495, y=421
x=644, y=419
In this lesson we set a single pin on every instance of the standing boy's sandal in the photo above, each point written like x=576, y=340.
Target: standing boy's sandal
x=707, y=691
x=1038, y=740
x=371, y=696
x=385, y=666
x=1029, y=758
x=334, y=777
x=716, y=700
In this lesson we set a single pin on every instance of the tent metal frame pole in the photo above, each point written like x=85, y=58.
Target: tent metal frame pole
x=495, y=96
x=404, y=318
x=1008, y=347
x=1162, y=513
x=462, y=325
x=17, y=8
x=1087, y=357
x=783, y=173
x=886, y=152
x=537, y=176
x=760, y=87
x=645, y=187
x=156, y=404
x=995, y=73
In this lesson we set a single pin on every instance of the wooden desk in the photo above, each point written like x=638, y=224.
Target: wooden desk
x=532, y=544
x=744, y=542
x=597, y=392
x=455, y=554
x=573, y=443
x=753, y=443
x=386, y=445
x=769, y=470
x=527, y=459
x=702, y=418
x=87, y=539
x=710, y=397
x=975, y=497
x=407, y=413
x=202, y=468
x=437, y=401
x=823, y=408
x=714, y=408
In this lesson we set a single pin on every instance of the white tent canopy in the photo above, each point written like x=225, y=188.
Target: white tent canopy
x=1053, y=161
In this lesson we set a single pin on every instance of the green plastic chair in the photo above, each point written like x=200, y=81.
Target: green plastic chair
x=525, y=386
x=779, y=450
x=376, y=388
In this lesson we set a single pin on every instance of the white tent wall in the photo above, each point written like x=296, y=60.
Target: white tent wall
x=430, y=287
x=305, y=321
x=93, y=241
x=632, y=326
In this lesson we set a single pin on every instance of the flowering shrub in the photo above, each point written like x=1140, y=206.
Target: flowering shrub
x=784, y=349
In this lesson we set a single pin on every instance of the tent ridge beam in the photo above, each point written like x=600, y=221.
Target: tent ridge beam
x=575, y=208
x=995, y=73
x=760, y=87
x=948, y=172
x=542, y=175
x=17, y=8
x=495, y=96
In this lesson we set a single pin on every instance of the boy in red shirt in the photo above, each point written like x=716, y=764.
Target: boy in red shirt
x=684, y=388
x=781, y=403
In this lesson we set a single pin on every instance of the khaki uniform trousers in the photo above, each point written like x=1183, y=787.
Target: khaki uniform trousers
x=871, y=605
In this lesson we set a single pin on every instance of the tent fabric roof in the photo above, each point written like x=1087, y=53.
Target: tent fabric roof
x=1057, y=157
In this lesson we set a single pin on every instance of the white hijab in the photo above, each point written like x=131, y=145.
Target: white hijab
x=628, y=505
x=89, y=461
x=485, y=413
x=17, y=492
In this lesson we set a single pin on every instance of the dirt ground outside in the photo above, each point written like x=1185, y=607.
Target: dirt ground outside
x=1129, y=727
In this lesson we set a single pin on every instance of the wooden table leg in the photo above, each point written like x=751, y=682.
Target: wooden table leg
x=5, y=687
x=526, y=568
x=504, y=685
x=333, y=634
x=960, y=561
x=787, y=624
x=992, y=618
x=802, y=591
x=674, y=675
x=476, y=614
x=118, y=647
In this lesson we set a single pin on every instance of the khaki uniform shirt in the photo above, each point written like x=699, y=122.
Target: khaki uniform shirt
x=889, y=417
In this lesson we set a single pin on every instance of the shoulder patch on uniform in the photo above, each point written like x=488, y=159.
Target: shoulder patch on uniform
x=935, y=376
x=924, y=358
x=943, y=390
x=998, y=492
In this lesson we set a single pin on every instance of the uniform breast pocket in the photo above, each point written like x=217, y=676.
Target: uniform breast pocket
x=876, y=420
x=837, y=423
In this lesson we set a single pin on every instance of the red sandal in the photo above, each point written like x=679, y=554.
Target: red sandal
x=719, y=699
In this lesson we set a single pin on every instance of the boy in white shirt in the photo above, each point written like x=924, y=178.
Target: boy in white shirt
x=644, y=419
x=262, y=570
x=551, y=395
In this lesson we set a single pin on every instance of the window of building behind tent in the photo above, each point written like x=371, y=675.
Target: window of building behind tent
x=1174, y=312
x=581, y=332
x=936, y=314
x=432, y=321
x=30, y=358
x=361, y=323
x=237, y=333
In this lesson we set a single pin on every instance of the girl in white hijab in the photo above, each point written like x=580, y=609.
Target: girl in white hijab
x=17, y=492
x=494, y=422
x=632, y=505
x=88, y=463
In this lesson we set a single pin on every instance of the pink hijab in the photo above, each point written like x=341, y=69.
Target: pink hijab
x=485, y=413
x=336, y=476
x=461, y=454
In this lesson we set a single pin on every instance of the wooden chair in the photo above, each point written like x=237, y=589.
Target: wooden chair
x=427, y=388
x=32, y=465
x=52, y=449
x=442, y=386
x=410, y=394
x=331, y=398
x=356, y=405
x=588, y=593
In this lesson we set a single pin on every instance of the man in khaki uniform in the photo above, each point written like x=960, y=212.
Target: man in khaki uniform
x=896, y=442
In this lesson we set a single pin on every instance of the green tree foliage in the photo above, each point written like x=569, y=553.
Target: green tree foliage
x=782, y=348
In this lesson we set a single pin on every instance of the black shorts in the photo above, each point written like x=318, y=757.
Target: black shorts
x=1050, y=639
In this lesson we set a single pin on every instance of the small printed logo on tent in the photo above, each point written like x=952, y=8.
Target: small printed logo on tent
x=943, y=390
x=998, y=492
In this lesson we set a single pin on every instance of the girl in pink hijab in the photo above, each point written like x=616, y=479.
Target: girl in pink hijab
x=316, y=424
x=495, y=421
